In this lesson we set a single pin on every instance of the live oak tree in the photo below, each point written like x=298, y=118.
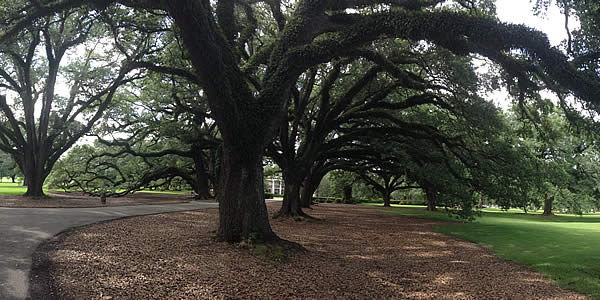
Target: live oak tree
x=334, y=106
x=248, y=87
x=332, y=98
x=564, y=153
x=173, y=125
x=8, y=167
x=385, y=182
x=103, y=170
x=69, y=48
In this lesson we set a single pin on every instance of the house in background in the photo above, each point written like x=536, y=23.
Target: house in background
x=274, y=184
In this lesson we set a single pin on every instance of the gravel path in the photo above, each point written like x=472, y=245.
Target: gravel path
x=23, y=229
x=354, y=252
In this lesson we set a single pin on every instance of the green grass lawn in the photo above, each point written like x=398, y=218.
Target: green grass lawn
x=565, y=248
x=9, y=188
x=165, y=192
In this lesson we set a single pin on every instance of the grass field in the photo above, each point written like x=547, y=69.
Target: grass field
x=9, y=188
x=165, y=192
x=565, y=248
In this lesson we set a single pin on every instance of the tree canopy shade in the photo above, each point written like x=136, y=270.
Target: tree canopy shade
x=247, y=67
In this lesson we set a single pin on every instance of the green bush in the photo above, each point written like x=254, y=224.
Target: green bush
x=269, y=195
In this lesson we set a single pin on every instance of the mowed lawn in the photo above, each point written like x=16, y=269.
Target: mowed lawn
x=9, y=188
x=564, y=248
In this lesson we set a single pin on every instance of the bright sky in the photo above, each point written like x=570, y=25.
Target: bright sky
x=521, y=12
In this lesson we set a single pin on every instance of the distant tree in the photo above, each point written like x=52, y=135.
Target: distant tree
x=565, y=155
x=8, y=167
x=72, y=46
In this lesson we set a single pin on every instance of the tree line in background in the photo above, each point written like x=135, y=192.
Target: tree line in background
x=387, y=93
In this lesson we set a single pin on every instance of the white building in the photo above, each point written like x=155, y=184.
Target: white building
x=274, y=184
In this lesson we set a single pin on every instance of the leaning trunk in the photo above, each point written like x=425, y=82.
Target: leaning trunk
x=548, y=206
x=242, y=210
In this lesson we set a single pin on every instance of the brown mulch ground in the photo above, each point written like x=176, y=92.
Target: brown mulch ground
x=354, y=252
x=77, y=199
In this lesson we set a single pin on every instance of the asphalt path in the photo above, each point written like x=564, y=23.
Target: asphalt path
x=23, y=229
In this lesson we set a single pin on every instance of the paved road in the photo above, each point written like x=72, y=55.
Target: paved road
x=23, y=229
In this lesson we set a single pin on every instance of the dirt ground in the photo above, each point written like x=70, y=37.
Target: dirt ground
x=354, y=252
x=77, y=199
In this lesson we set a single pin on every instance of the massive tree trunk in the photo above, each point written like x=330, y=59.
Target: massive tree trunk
x=35, y=183
x=431, y=200
x=242, y=209
x=386, y=198
x=247, y=121
x=291, y=197
x=202, y=189
x=33, y=167
x=548, y=205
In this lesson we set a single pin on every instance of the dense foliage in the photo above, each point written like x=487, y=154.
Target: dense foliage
x=374, y=87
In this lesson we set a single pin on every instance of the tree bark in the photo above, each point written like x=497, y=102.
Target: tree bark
x=386, y=199
x=291, y=197
x=33, y=171
x=347, y=195
x=202, y=187
x=35, y=182
x=548, y=206
x=242, y=209
x=431, y=200
x=307, y=193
